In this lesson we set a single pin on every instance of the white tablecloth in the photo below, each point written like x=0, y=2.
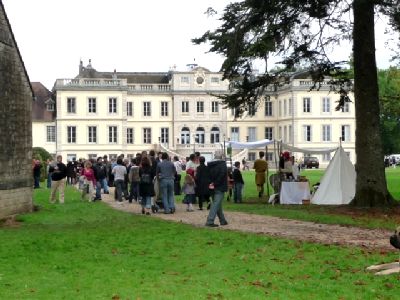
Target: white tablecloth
x=294, y=192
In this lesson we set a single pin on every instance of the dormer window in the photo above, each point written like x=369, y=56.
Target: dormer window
x=50, y=105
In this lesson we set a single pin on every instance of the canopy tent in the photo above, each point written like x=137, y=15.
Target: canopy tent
x=250, y=145
x=338, y=185
x=307, y=151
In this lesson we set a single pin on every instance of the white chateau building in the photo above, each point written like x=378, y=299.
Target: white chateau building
x=111, y=113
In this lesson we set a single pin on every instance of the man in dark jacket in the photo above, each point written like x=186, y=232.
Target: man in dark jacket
x=100, y=173
x=219, y=184
x=202, y=182
x=58, y=180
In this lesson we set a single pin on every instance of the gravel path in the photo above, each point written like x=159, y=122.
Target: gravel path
x=370, y=239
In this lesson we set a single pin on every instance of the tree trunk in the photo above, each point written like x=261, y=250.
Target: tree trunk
x=371, y=188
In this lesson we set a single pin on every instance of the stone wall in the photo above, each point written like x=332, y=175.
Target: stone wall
x=15, y=126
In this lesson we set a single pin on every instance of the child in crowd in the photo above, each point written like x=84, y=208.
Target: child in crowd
x=238, y=183
x=189, y=192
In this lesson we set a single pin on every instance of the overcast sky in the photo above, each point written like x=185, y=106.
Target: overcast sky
x=126, y=35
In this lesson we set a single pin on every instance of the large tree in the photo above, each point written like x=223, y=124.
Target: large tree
x=303, y=32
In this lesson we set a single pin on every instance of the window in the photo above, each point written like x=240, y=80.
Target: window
x=280, y=132
x=290, y=106
x=280, y=108
x=164, y=135
x=252, y=134
x=326, y=157
x=269, y=133
x=235, y=134
x=346, y=107
x=326, y=105
x=92, y=156
x=164, y=109
x=252, y=109
x=112, y=134
x=92, y=134
x=200, y=135
x=284, y=107
x=129, y=136
x=235, y=112
x=112, y=156
x=50, y=134
x=214, y=137
x=251, y=156
x=71, y=105
x=185, y=106
x=268, y=107
x=112, y=105
x=129, y=108
x=147, y=109
x=307, y=105
x=50, y=105
x=214, y=106
x=185, y=79
x=307, y=133
x=270, y=156
x=215, y=80
x=290, y=133
x=285, y=139
x=71, y=134
x=185, y=135
x=345, y=133
x=326, y=133
x=200, y=106
x=92, y=105
x=71, y=157
x=146, y=135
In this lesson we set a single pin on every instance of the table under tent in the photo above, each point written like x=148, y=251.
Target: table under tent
x=337, y=185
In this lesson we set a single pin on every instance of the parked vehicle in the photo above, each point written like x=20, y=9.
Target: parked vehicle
x=311, y=162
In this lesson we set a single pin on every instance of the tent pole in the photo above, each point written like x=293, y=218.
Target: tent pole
x=266, y=158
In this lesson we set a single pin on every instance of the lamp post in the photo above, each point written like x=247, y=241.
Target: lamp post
x=224, y=148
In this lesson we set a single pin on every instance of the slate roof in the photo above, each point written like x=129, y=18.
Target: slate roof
x=39, y=108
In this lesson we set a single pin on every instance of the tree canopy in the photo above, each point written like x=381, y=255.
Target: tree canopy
x=306, y=32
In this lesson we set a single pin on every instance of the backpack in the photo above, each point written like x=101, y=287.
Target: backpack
x=134, y=171
x=145, y=178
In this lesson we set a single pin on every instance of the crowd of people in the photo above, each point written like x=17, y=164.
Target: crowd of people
x=154, y=180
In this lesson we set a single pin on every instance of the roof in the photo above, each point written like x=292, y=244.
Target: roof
x=39, y=109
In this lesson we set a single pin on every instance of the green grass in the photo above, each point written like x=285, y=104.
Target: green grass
x=83, y=250
x=345, y=215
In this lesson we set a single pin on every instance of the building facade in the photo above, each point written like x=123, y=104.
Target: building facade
x=109, y=113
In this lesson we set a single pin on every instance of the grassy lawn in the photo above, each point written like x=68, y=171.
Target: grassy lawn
x=89, y=251
x=345, y=215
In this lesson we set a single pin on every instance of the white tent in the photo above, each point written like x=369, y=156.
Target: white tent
x=338, y=185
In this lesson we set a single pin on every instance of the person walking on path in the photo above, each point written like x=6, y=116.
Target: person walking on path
x=100, y=172
x=134, y=179
x=166, y=176
x=36, y=173
x=202, y=180
x=189, y=191
x=177, y=183
x=119, y=172
x=219, y=184
x=59, y=172
x=238, y=183
x=260, y=166
x=146, y=185
x=90, y=181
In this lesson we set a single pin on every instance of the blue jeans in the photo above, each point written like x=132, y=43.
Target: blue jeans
x=216, y=209
x=146, y=202
x=167, y=193
x=36, y=180
x=101, y=184
x=49, y=180
x=120, y=188
x=134, y=191
x=237, y=192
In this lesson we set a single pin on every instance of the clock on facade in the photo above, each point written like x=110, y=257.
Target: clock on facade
x=199, y=80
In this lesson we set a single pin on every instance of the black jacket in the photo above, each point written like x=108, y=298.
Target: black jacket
x=237, y=176
x=100, y=171
x=202, y=180
x=59, y=174
x=218, y=175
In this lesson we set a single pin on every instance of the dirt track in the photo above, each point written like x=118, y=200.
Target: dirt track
x=376, y=239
